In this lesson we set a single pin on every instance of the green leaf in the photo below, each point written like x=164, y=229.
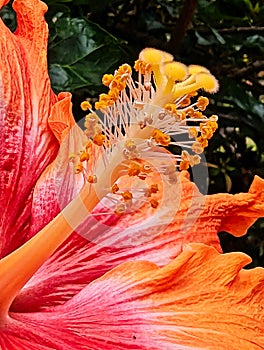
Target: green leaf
x=8, y=16
x=80, y=52
x=202, y=41
x=228, y=182
x=218, y=36
x=253, y=110
x=255, y=42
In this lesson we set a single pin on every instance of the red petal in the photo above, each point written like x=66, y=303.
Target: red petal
x=27, y=138
x=201, y=300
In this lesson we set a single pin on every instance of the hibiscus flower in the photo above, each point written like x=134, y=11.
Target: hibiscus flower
x=103, y=244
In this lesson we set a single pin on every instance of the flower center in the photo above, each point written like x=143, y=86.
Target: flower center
x=122, y=158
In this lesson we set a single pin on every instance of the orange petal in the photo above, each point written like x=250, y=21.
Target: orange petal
x=239, y=212
x=3, y=3
x=218, y=212
x=201, y=300
x=157, y=235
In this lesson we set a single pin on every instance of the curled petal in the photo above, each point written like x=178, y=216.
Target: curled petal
x=57, y=184
x=201, y=300
x=242, y=210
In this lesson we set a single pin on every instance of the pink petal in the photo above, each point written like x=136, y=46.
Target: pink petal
x=201, y=300
x=27, y=143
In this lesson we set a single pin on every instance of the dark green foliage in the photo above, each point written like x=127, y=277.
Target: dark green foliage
x=80, y=52
x=91, y=37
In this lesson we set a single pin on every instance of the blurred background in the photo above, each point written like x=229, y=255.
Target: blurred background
x=91, y=37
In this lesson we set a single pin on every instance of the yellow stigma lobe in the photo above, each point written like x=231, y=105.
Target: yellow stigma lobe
x=207, y=82
x=154, y=56
x=175, y=70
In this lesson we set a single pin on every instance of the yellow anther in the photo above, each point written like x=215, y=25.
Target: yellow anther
x=188, y=159
x=92, y=179
x=130, y=145
x=185, y=155
x=199, y=145
x=161, y=138
x=78, y=168
x=202, y=103
x=208, y=129
x=175, y=70
x=99, y=139
x=171, y=108
x=114, y=188
x=91, y=125
x=100, y=105
x=120, y=209
x=184, y=165
x=84, y=156
x=181, y=115
x=146, y=168
x=125, y=69
x=127, y=195
x=198, y=115
x=193, y=132
x=104, y=97
x=118, y=83
x=104, y=101
x=190, y=112
x=214, y=118
x=85, y=105
x=90, y=119
x=153, y=188
x=134, y=169
x=213, y=125
x=195, y=159
x=142, y=67
x=206, y=132
x=142, y=176
x=113, y=94
x=203, y=141
x=154, y=203
x=185, y=102
x=107, y=79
